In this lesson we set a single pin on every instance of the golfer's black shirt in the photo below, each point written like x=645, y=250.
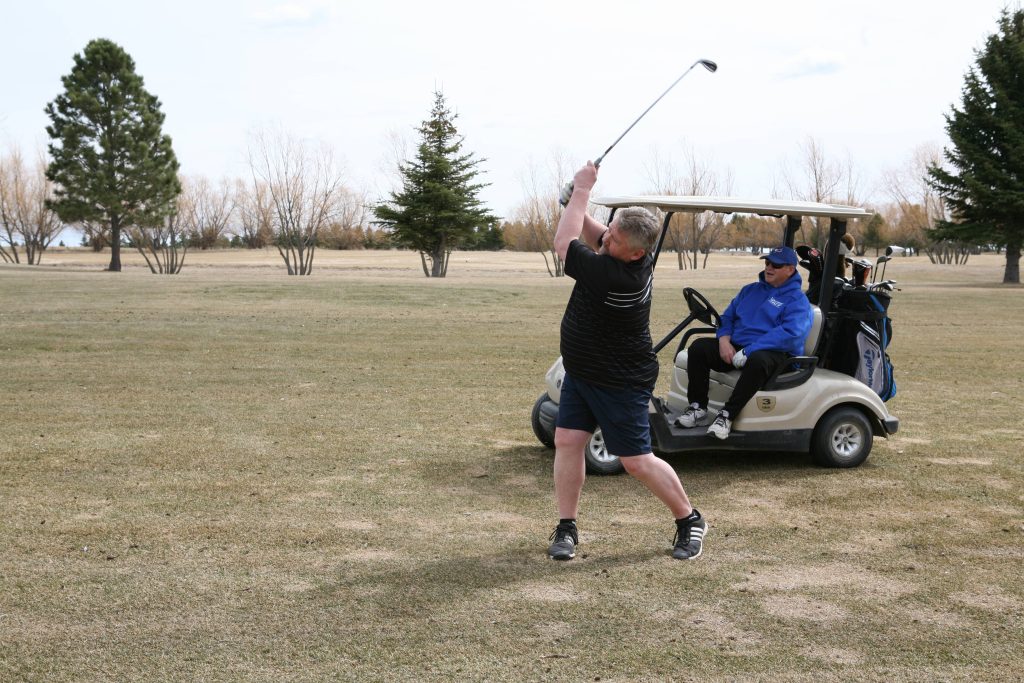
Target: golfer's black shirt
x=606, y=337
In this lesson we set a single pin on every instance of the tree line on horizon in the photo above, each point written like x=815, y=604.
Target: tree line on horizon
x=112, y=173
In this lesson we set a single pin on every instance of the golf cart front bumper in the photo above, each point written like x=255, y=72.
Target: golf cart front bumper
x=891, y=425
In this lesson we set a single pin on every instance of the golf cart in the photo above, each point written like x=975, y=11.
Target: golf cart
x=809, y=406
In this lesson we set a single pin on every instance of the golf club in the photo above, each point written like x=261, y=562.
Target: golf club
x=879, y=262
x=889, y=251
x=706, y=63
x=887, y=287
x=861, y=270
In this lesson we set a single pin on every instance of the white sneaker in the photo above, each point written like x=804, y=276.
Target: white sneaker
x=721, y=426
x=693, y=416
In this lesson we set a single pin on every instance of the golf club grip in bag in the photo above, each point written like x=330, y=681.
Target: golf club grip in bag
x=863, y=331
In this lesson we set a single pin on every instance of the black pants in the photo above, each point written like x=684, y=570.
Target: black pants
x=703, y=357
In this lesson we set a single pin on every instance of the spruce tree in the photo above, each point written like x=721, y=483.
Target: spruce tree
x=111, y=162
x=873, y=234
x=984, y=186
x=437, y=209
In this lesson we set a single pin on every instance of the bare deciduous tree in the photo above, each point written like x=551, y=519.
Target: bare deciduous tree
x=210, y=209
x=351, y=223
x=538, y=213
x=534, y=218
x=95, y=235
x=160, y=244
x=24, y=190
x=255, y=214
x=819, y=178
x=918, y=207
x=691, y=235
x=8, y=225
x=304, y=189
x=397, y=147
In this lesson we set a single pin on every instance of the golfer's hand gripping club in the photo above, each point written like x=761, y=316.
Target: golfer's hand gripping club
x=585, y=179
x=566, y=194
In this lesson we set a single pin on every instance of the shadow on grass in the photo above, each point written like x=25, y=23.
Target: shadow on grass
x=739, y=465
x=742, y=461
x=491, y=574
x=499, y=563
x=518, y=474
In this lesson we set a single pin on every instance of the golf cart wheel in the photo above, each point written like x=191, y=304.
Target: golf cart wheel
x=545, y=436
x=842, y=438
x=599, y=460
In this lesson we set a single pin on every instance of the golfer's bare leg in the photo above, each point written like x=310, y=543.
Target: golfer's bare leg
x=658, y=476
x=570, y=470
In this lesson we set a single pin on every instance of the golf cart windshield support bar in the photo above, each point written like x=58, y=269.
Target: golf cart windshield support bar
x=837, y=228
x=661, y=239
x=792, y=225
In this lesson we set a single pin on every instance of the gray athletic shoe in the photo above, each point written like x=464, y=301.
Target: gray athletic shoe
x=689, y=541
x=693, y=416
x=564, y=540
x=721, y=426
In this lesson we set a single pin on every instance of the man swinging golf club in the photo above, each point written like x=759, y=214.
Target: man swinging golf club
x=610, y=367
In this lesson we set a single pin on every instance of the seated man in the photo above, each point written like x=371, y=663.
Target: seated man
x=764, y=325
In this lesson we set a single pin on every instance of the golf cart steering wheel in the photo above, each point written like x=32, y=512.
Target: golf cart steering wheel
x=701, y=308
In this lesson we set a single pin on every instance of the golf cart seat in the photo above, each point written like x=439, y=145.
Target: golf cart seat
x=797, y=371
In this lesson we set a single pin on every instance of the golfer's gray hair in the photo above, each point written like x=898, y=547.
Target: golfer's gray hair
x=639, y=226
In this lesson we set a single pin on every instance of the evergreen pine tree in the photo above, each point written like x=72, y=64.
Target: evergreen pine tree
x=984, y=188
x=873, y=234
x=488, y=238
x=437, y=209
x=110, y=161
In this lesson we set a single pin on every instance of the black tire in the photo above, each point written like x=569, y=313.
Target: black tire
x=599, y=460
x=842, y=438
x=543, y=435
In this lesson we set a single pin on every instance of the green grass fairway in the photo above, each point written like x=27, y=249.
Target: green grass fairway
x=236, y=475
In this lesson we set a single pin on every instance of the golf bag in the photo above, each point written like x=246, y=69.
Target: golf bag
x=861, y=335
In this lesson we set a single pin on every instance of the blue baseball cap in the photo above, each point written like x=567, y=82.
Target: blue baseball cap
x=783, y=256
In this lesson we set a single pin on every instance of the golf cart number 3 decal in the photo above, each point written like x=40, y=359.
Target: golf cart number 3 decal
x=766, y=404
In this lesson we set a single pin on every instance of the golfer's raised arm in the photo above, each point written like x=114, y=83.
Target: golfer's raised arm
x=570, y=226
x=592, y=231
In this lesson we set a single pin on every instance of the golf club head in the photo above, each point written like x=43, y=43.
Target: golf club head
x=706, y=63
x=880, y=261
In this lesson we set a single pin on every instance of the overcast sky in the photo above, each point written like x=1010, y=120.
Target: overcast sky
x=869, y=80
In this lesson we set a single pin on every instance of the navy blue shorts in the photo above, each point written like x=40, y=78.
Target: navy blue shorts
x=620, y=413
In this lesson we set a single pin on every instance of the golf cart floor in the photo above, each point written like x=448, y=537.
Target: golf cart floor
x=671, y=438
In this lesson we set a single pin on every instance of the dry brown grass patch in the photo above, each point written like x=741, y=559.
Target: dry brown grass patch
x=236, y=475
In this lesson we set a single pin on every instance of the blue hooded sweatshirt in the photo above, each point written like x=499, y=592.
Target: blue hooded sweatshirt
x=765, y=317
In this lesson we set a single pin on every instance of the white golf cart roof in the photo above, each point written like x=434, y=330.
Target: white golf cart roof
x=761, y=207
